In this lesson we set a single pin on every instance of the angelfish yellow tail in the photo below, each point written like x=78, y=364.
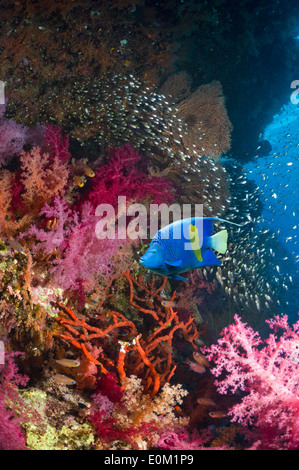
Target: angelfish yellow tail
x=219, y=241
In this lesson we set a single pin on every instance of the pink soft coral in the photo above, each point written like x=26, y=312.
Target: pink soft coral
x=12, y=411
x=49, y=240
x=80, y=255
x=84, y=255
x=268, y=372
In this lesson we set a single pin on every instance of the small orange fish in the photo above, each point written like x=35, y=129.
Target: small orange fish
x=55, y=224
x=168, y=303
x=68, y=362
x=89, y=172
x=205, y=401
x=52, y=223
x=217, y=414
x=79, y=180
x=201, y=359
x=63, y=379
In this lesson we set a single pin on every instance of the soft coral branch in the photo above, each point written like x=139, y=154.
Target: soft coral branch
x=56, y=143
x=267, y=372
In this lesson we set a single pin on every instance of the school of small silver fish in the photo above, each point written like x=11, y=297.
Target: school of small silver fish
x=276, y=176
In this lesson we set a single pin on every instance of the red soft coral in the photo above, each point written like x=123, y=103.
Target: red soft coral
x=268, y=371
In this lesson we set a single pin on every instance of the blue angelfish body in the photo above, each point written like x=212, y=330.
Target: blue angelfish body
x=185, y=245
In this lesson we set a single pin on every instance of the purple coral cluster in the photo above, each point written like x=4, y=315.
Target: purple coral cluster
x=14, y=136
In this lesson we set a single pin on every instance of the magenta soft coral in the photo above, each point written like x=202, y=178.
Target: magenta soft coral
x=56, y=144
x=124, y=175
x=268, y=372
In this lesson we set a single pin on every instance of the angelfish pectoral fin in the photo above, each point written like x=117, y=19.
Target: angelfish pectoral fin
x=178, y=278
x=219, y=241
x=194, y=241
x=174, y=263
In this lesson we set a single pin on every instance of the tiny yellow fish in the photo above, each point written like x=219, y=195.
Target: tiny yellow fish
x=63, y=379
x=68, y=362
x=168, y=303
x=89, y=172
x=79, y=180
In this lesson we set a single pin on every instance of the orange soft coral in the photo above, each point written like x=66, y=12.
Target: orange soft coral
x=41, y=180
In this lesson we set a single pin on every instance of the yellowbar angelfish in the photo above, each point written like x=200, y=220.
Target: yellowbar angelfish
x=185, y=245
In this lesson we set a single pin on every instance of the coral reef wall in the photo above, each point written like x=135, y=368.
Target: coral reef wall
x=125, y=104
